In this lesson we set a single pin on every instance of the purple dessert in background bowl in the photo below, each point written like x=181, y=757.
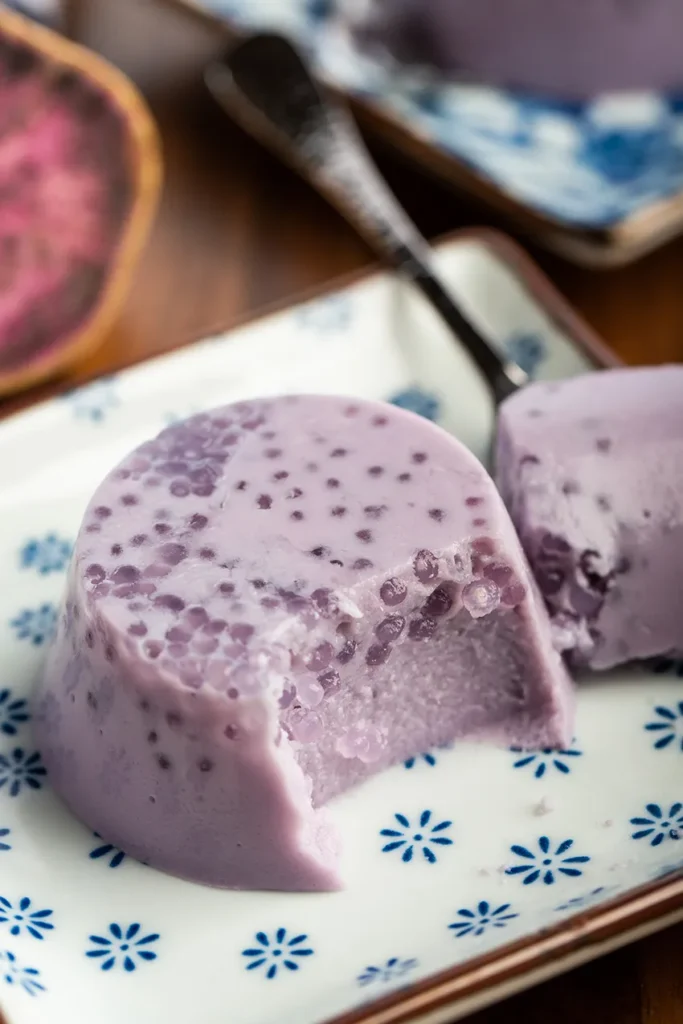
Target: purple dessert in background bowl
x=567, y=48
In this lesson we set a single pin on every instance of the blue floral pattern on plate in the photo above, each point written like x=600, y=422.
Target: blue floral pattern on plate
x=277, y=951
x=427, y=758
x=586, y=900
x=21, y=918
x=423, y=836
x=20, y=771
x=546, y=863
x=15, y=974
x=668, y=726
x=541, y=761
x=94, y=402
x=391, y=970
x=115, y=856
x=35, y=624
x=528, y=349
x=481, y=919
x=49, y=554
x=122, y=947
x=659, y=823
x=4, y=836
x=13, y=713
x=668, y=666
x=418, y=401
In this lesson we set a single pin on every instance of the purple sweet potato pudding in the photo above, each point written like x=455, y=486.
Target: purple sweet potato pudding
x=267, y=604
x=572, y=47
x=592, y=472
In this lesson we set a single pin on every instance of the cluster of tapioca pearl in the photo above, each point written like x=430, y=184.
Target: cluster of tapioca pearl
x=172, y=721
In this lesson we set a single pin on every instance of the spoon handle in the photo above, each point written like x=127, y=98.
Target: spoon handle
x=267, y=87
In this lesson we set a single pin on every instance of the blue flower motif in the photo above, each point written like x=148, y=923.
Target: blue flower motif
x=660, y=824
x=418, y=401
x=20, y=918
x=392, y=969
x=541, y=761
x=578, y=902
x=36, y=625
x=19, y=770
x=528, y=350
x=4, y=832
x=327, y=315
x=669, y=725
x=422, y=836
x=625, y=155
x=94, y=401
x=51, y=554
x=481, y=919
x=668, y=666
x=107, y=850
x=427, y=757
x=14, y=974
x=122, y=942
x=273, y=952
x=13, y=713
x=546, y=864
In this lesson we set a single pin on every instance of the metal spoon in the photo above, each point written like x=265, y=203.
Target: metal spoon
x=265, y=84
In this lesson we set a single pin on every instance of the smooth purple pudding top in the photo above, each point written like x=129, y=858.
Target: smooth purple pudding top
x=574, y=48
x=270, y=602
x=591, y=470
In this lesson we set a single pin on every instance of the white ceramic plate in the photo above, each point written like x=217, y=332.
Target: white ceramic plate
x=449, y=858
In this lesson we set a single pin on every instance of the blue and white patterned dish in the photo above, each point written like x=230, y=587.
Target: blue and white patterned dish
x=439, y=871
x=592, y=165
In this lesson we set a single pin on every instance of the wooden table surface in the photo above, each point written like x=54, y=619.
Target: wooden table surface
x=236, y=232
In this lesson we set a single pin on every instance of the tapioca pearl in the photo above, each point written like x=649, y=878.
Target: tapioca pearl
x=338, y=453
x=179, y=489
x=145, y=705
x=484, y=546
x=137, y=629
x=128, y=500
x=603, y=444
x=377, y=654
x=390, y=628
x=203, y=490
x=93, y=528
x=603, y=502
x=91, y=700
x=325, y=601
x=241, y=632
x=162, y=529
x=102, y=512
x=174, y=719
x=214, y=627
x=281, y=474
x=437, y=514
x=422, y=628
x=570, y=487
x=513, y=594
x=95, y=573
x=116, y=550
x=264, y=501
x=241, y=485
x=441, y=600
x=363, y=741
x=172, y=554
x=362, y=563
x=231, y=732
x=312, y=467
x=473, y=501
x=305, y=726
x=393, y=591
x=499, y=573
x=418, y=458
x=529, y=460
x=258, y=584
x=204, y=644
x=320, y=551
x=425, y=565
x=172, y=468
x=152, y=737
x=89, y=638
x=332, y=483
x=347, y=652
x=364, y=536
x=164, y=762
x=195, y=617
x=375, y=511
x=320, y=657
x=404, y=478
x=534, y=414
x=550, y=579
x=294, y=493
x=338, y=511
x=156, y=570
x=330, y=681
x=207, y=554
x=138, y=540
x=480, y=597
x=171, y=602
x=122, y=474
x=177, y=635
x=152, y=648
x=226, y=588
x=198, y=521
x=272, y=453
x=309, y=692
x=479, y=523
x=297, y=515
x=379, y=421
x=375, y=471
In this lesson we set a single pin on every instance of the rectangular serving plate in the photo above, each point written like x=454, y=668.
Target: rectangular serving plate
x=413, y=937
